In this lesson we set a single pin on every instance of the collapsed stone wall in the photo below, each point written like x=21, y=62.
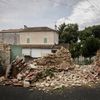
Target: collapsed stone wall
x=4, y=57
x=96, y=64
x=58, y=65
x=60, y=60
x=98, y=58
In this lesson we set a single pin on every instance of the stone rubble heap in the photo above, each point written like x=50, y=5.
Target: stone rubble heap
x=61, y=60
x=97, y=62
x=52, y=72
x=98, y=58
x=79, y=76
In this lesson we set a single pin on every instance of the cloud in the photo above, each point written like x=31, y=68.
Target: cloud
x=20, y=12
x=5, y=20
x=16, y=13
x=85, y=13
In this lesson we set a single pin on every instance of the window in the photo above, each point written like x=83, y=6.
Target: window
x=45, y=40
x=28, y=40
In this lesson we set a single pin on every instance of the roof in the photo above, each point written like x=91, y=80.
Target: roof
x=11, y=31
x=28, y=29
x=37, y=29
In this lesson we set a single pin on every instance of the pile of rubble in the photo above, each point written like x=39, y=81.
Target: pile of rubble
x=81, y=75
x=4, y=57
x=98, y=58
x=21, y=73
x=29, y=73
x=51, y=72
x=60, y=60
x=96, y=64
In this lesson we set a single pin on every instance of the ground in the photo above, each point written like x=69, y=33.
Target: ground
x=77, y=93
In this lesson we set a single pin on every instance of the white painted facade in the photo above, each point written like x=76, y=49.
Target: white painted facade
x=37, y=38
x=36, y=52
x=40, y=36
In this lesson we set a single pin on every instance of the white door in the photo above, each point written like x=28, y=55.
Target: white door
x=40, y=52
x=36, y=53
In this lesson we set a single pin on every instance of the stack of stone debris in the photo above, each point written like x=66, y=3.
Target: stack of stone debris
x=4, y=57
x=52, y=72
x=98, y=58
x=81, y=75
x=16, y=67
x=61, y=60
x=97, y=62
x=21, y=72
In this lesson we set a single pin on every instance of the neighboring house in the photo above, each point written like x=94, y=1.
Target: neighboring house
x=35, y=41
x=10, y=36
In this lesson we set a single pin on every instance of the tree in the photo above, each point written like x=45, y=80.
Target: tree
x=93, y=31
x=89, y=39
x=96, y=31
x=75, y=50
x=90, y=47
x=86, y=33
x=68, y=33
x=61, y=30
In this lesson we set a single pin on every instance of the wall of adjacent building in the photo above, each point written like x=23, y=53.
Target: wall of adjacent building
x=38, y=38
x=9, y=38
x=35, y=38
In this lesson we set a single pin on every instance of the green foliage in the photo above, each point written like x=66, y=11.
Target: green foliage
x=87, y=61
x=93, y=31
x=89, y=39
x=83, y=35
x=75, y=50
x=46, y=72
x=49, y=72
x=68, y=33
x=96, y=31
x=61, y=30
x=90, y=47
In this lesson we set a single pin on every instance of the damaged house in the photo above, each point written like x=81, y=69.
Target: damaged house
x=34, y=41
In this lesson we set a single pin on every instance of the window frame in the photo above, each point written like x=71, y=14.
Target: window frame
x=28, y=40
x=45, y=40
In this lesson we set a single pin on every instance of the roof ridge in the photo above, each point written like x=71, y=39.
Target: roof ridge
x=29, y=29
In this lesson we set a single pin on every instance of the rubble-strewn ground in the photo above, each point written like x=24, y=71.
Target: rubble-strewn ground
x=80, y=76
x=52, y=72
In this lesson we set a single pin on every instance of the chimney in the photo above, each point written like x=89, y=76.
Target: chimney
x=25, y=27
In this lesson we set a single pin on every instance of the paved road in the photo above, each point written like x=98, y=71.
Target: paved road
x=17, y=93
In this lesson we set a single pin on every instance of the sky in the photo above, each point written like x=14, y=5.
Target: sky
x=35, y=13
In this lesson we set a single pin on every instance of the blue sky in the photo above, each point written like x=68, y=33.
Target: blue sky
x=16, y=13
